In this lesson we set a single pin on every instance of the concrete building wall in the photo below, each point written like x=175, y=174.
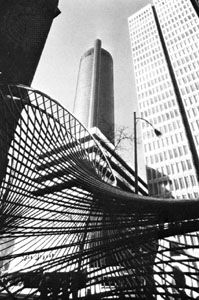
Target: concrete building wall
x=94, y=99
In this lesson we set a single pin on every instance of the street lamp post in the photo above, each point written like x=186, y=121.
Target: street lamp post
x=135, y=155
x=157, y=133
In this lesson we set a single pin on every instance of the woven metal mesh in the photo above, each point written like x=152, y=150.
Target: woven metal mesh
x=65, y=228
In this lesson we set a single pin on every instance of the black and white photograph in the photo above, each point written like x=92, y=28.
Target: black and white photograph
x=99, y=149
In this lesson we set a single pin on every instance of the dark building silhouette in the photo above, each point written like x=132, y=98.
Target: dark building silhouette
x=24, y=27
x=94, y=99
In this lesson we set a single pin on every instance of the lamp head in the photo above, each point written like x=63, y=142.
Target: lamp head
x=157, y=132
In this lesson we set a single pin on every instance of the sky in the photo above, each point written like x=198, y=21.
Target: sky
x=73, y=32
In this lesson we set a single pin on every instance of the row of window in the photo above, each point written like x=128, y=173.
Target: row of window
x=149, y=80
x=139, y=44
x=193, y=112
x=189, y=196
x=142, y=34
x=141, y=17
x=174, y=153
x=174, y=11
x=184, y=182
x=163, y=108
x=184, y=55
x=190, y=88
x=146, y=29
x=188, y=78
x=195, y=125
x=167, y=155
x=173, y=139
x=155, y=88
x=164, y=128
x=162, y=91
x=161, y=188
x=191, y=75
x=187, y=53
x=174, y=168
x=181, y=29
x=143, y=75
x=166, y=142
x=150, y=63
x=197, y=139
x=154, y=100
x=187, y=65
x=148, y=56
x=183, y=44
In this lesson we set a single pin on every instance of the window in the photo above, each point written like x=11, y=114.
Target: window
x=172, y=168
x=186, y=179
x=168, y=170
x=193, y=180
x=183, y=165
x=165, y=155
x=178, y=167
x=176, y=184
x=161, y=157
x=180, y=150
x=175, y=152
x=185, y=149
x=181, y=183
x=170, y=154
x=189, y=164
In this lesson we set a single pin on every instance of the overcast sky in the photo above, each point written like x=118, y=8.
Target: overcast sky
x=73, y=32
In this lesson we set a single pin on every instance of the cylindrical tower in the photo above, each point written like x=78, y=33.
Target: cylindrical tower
x=94, y=99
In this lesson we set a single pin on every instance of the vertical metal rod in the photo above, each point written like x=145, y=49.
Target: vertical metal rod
x=135, y=155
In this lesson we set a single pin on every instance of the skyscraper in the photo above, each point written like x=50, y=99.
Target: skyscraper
x=164, y=42
x=94, y=99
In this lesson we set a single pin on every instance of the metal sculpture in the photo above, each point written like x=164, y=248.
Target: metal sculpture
x=66, y=231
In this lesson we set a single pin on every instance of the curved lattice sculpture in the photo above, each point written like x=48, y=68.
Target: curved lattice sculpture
x=67, y=230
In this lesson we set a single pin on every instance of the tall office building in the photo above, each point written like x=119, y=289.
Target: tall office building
x=164, y=41
x=94, y=99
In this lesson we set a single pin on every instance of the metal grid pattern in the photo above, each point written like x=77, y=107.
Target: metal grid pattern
x=65, y=228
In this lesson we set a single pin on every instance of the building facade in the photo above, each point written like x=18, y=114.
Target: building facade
x=94, y=99
x=164, y=41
